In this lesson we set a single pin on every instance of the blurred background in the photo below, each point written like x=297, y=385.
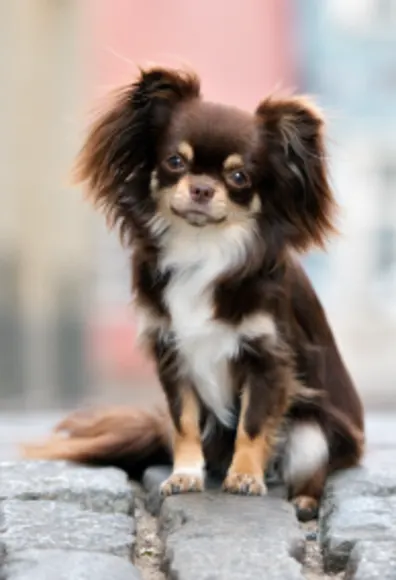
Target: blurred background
x=66, y=326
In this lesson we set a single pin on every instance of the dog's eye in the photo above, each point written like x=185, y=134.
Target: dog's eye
x=175, y=163
x=239, y=178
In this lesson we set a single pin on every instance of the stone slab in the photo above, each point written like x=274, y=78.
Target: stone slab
x=359, y=505
x=56, y=525
x=154, y=476
x=97, y=489
x=376, y=477
x=353, y=520
x=67, y=565
x=372, y=561
x=215, y=536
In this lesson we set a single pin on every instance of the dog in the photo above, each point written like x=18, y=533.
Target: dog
x=216, y=205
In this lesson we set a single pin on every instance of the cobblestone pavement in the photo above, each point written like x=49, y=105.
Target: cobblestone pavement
x=60, y=521
x=65, y=522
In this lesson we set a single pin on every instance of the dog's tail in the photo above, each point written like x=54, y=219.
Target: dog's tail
x=129, y=438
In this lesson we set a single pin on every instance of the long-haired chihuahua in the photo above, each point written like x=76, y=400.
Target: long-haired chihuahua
x=216, y=204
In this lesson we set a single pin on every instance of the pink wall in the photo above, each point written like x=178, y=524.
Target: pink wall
x=241, y=48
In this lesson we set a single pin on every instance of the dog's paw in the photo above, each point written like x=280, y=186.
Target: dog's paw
x=182, y=483
x=244, y=484
x=306, y=507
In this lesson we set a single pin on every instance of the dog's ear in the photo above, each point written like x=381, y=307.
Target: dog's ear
x=296, y=191
x=121, y=144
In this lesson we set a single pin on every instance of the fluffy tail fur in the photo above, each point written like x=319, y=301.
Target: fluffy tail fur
x=131, y=439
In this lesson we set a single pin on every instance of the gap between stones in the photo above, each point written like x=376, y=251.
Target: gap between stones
x=313, y=561
x=149, y=548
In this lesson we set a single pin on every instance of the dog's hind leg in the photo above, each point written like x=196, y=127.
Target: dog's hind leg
x=315, y=449
x=306, y=465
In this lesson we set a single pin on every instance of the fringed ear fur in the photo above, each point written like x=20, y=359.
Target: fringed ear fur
x=121, y=145
x=298, y=196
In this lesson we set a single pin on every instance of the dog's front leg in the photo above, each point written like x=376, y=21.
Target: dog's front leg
x=188, y=460
x=265, y=398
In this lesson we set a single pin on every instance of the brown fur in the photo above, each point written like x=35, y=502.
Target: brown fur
x=253, y=450
x=265, y=173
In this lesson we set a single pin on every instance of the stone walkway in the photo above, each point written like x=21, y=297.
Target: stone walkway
x=60, y=521
x=63, y=522
x=358, y=520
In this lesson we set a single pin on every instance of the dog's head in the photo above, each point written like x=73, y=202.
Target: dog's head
x=163, y=158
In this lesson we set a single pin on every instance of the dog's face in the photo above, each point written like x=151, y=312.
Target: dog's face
x=206, y=173
x=162, y=154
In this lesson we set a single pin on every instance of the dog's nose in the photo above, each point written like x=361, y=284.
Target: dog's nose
x=201, y=192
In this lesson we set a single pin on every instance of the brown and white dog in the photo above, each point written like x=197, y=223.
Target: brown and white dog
x=215, y=204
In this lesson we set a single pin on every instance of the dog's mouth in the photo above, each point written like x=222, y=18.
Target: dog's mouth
x=197, y=217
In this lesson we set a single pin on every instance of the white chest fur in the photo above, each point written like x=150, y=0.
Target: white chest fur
x=207, y=345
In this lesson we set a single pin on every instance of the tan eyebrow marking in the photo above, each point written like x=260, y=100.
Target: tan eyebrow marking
x=233, y=162
x=186, y=150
